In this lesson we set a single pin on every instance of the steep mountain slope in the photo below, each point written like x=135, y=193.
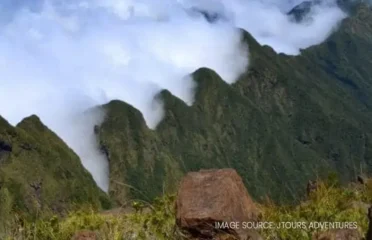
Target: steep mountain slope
x=287, y=120
x=40, y=175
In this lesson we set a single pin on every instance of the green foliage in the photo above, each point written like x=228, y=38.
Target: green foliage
x=157, y=222
x=333, y=180
x=327, y=204
x=286, y=120
x=6, y=202
x=40, y=176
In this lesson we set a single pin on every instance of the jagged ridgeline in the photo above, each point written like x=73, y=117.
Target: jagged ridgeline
x=287, y=120
x=40, y=175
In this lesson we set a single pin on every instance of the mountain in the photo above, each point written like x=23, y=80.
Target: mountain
x=301, y=11
x=287, y=120
x=40, y=176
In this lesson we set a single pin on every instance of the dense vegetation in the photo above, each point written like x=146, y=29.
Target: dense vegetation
x=147, y=222
x=40, y=176
x=287, y=120
x=329, y=203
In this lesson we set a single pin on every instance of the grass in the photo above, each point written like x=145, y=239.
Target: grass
x=41, y=176
x=328, y=203
x=286, y=120
x=147, y=222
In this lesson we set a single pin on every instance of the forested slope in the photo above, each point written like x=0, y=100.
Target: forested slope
x=288, y=119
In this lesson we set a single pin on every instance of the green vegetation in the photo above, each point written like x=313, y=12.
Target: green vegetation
x=287, y=120
x=40, y=176
x=148, y=222
x=329, y=203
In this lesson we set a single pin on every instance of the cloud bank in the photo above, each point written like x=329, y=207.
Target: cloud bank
x=60, y=57
x=268, y=22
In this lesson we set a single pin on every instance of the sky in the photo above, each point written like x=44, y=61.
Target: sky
x=59, y=58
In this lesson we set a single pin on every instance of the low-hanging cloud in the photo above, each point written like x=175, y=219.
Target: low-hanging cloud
x=268, y=22
x=59, y=58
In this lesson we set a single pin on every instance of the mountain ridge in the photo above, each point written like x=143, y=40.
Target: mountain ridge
x=40, y=175
x=286, y=120
x=275, y=124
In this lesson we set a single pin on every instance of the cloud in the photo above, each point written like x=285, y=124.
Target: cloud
x=61, y=57
x=268, y=22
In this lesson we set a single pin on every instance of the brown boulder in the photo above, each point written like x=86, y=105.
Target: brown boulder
x=210, y=197
x=85, y=235
x=339, y=234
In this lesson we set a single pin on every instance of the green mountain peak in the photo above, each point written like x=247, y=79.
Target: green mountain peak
x=40, y=175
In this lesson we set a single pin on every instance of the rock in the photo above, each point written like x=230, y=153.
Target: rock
x=6, y=147
x=96, y=129
x=301, y=11
x=210, y=197
x=339, y=234
x=85, y=235
x=210, y=16
x=361, y=179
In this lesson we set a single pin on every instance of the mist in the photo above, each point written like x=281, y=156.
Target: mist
x=59, y=58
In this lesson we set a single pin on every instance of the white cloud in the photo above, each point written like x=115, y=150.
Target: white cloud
x=61, y=57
